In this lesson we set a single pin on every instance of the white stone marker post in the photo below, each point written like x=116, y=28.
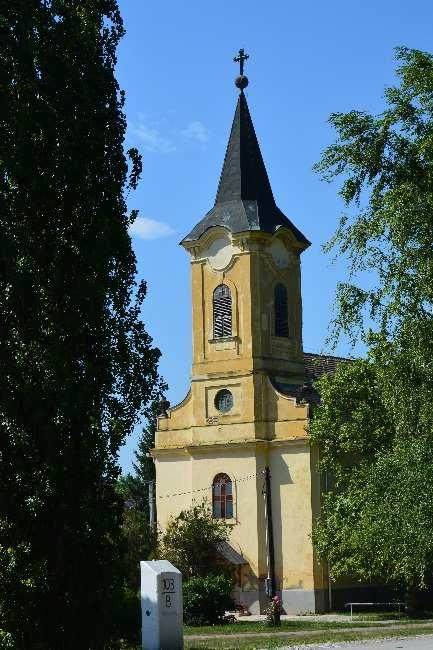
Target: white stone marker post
x=161, y=606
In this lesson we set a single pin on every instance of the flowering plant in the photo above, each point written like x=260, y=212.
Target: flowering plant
x=273, y=611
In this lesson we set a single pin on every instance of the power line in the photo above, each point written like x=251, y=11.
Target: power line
x=248, y=477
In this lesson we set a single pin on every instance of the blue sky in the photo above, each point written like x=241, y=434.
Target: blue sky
x=307, y=59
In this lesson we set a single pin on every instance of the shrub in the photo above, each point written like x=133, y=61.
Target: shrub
x=206, y=599
x=190, y=541
x=273, y=612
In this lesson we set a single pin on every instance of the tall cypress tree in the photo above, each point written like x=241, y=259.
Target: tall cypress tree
x=76, y=364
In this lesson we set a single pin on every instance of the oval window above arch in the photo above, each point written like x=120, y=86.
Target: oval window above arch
x=224, y=401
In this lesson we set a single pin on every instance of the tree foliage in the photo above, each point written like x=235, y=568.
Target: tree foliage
x=190, y=541
x=144, y=467
x=375, y=424
x=134, y=487
x=386, y=162
x=377, y=512
x=140, y=542
x=77, y=365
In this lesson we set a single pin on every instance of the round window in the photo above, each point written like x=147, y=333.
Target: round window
x=224, y=400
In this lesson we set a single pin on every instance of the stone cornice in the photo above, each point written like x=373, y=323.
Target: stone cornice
x=235, y=444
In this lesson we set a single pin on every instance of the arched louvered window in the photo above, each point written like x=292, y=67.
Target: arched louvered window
x=222, y=497
x=281, y=311
x=222, y=311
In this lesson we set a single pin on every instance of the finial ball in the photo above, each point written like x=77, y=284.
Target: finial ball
x=241, y=82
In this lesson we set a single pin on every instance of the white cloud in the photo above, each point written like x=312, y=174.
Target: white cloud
x=156, y=135
x=145, y=228
x=197, y=132
x=151, y=136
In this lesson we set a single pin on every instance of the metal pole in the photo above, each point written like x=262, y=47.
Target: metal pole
x=151, y=504
x=270, y=532
x=268, y=581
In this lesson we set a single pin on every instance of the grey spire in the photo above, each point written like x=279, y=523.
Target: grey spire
x=244, y=175
x=244, y=199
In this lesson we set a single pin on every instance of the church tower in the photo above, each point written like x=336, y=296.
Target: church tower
x=241, y=428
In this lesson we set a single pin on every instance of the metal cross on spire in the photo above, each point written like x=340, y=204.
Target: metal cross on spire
x=241, y=82
x=241, y=58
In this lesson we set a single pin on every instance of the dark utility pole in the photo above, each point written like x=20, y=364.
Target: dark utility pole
x=151, y=501
x=151, y=485
x=271, y=587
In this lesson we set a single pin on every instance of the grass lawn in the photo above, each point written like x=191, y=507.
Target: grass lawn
x=272, y=641
x=290, y=626
x=238, y=635
x=388, y=616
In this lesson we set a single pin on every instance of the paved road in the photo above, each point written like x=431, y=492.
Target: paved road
x=413, y=643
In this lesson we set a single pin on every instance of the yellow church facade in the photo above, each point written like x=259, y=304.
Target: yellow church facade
x=239, y=438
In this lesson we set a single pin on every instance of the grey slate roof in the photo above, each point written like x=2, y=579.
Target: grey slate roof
x=316, y=365
x=244, y=199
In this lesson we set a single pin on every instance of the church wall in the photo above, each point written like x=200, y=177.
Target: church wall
x=212, y=425
x=174, y=429
x=278, y=415
x=291, y=502
x=174, y=478
x=240, y=464
x=193, y=471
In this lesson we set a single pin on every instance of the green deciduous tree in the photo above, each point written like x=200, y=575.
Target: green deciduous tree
x=375, y=425
x=376, y=518
x=76, y=364
x=191, y=539
x=386, y=162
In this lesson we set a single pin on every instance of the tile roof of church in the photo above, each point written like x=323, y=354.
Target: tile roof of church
x=317, y=365
x=244, y=199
